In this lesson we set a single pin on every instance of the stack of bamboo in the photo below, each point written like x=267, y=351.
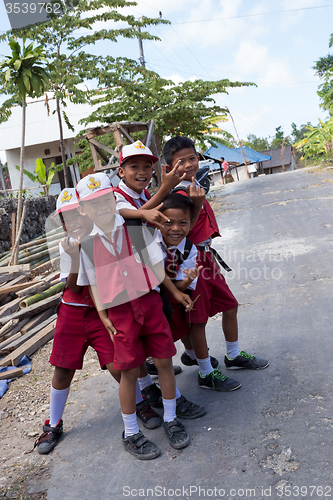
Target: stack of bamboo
x=29, y=293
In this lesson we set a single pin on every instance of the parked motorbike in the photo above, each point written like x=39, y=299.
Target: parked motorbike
x=202, y=177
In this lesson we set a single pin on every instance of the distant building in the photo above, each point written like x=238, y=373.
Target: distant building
x=274, y=165
x=42, y=140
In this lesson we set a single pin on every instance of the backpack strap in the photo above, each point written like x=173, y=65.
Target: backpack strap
x=87, y=246
x=125, y=195
x=181, y=257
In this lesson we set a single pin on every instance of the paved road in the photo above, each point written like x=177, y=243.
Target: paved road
x=276, y=431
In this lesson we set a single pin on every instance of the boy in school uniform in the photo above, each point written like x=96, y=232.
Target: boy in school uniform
x=122, y=278
x=212, y=290
x=136, y=168
x=78, y=326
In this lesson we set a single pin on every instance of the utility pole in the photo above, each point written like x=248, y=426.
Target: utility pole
x=142, y=57
x=239, y=141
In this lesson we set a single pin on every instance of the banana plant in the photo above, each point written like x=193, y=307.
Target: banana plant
x=41, y=175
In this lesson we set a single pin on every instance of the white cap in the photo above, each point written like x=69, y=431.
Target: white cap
x=135, y=149
x=92, y=186
x=66, y=200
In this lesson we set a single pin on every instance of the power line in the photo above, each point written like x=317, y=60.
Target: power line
x=253, y=15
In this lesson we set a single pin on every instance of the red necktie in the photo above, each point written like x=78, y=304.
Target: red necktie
x=171, y=266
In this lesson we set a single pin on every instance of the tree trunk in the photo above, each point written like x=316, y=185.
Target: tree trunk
x=62, y=148
x=20, y=190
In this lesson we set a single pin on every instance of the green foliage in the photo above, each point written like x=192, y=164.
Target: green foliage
x=256, y=143
x=22, y=73
x=41, y=175
x=279, y=138
x=318, y=141
x=129, y=92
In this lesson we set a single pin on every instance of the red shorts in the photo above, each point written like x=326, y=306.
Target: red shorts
x=179, y=320
x=77, y=328
x=142, y=331
x=214, y=294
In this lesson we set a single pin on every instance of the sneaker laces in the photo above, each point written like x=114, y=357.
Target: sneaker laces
x=147, y=412
x=246, y=355
x=40, y=439
x=219, y=375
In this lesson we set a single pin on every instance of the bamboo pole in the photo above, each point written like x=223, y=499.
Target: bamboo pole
x=14, y=256
x=13, y=229
x=41, y=296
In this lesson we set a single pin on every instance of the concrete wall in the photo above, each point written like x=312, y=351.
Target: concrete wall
x=38, y=209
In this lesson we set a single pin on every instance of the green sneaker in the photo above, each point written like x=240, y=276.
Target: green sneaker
x=216, y=381
x=245, y=360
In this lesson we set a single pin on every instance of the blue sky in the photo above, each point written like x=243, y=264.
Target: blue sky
x=271, y=43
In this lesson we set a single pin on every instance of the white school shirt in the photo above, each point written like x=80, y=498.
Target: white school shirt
x=65, y=267
x=189, y=263
x=87, y=273
x=123, y=203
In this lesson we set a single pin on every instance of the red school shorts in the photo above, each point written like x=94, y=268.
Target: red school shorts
x=77, y=328
x=214, y=294
x=142, y=331
x=179, y=320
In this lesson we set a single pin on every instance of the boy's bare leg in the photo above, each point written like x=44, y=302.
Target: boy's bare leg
x=186, y=340
x=230, y=325
x=115, y=373
x=198, y=340
x=62, y=378
x=127, y=390
x=166, y=377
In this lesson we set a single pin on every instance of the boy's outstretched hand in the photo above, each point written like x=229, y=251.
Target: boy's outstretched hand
x=184, y=299
x=196, y=193
x=171, y=179
x=154, y=217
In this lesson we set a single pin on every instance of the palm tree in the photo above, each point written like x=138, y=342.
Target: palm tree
x=23, y=74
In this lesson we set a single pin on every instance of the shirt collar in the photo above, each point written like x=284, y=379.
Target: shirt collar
x=130, y=191
x=118, y=222
x=184, y=184
x=180, y=246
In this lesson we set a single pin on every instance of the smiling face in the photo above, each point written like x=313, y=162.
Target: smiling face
x=188, y=162
x=75, y=224
x=178, y=226
x=137, y=172
x=100, y=210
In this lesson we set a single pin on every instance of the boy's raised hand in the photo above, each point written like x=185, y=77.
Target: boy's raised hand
x=72, y=248
x=196, y=193
x=154, y=217
x=193, y=273
x=171, y=179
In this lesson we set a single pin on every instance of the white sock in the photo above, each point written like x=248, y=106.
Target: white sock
x=169, y=406
x=131, y=424
x=205, y=366
x=232, y=349
x=190, y=352
x=57, y=404
x=177, y=393
x=145, y=381
x=138, y=395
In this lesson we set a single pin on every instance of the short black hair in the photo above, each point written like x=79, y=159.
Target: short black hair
x=222, y=158
x=178, y=201
x=176, y=144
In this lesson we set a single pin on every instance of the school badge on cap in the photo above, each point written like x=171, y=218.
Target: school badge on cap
x=66, y=200
x=135, y=149
x=92, y=186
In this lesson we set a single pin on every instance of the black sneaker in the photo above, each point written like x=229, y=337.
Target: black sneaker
x=245, y=360
x=139, y=446
x=188, y=361
x=47, y=441
x=186, y=409
x=153, y=395
x=177, y=435
x=216, y=381
x=152, y=370
x=148, y=416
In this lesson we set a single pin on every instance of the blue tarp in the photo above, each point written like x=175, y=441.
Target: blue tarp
x=234, y=155
x=24, y=363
